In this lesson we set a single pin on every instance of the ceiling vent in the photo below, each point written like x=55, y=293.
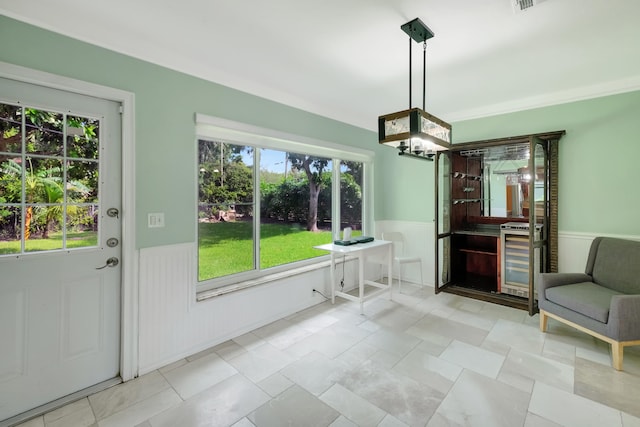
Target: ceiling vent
x=522, y=5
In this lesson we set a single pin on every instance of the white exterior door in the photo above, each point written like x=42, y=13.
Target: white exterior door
x=60, y=202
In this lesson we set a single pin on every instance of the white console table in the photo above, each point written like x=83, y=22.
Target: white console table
x=360, y=250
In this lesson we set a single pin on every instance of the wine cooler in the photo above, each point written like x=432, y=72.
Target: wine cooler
x=514, y=263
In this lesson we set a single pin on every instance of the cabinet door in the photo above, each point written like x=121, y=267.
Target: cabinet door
x=539, y=187
x=443, y=220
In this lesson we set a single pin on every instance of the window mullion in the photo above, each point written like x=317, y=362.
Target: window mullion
x=256, y=208
x=336, y=223
x=23, y=204
x=65, y=163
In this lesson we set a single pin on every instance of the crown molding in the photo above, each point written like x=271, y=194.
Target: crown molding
x=615, y=87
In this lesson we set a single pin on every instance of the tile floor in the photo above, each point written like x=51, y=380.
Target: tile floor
x=419, y=360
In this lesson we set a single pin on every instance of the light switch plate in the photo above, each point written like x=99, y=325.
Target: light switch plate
x=156, y=220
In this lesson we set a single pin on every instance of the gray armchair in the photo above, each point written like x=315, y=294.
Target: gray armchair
x=604, y=301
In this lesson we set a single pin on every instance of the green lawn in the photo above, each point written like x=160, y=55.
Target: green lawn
x=227, y=248
x=77, y=239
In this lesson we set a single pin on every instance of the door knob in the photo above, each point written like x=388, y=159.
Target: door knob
x=111, y=262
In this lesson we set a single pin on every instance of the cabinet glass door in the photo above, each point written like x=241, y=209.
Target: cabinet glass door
x=443, y=220
x=538, y=216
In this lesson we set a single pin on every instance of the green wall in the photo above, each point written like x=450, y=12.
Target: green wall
x=404, y=189
x=598, y=158
x=166, y=102
x=598, y=155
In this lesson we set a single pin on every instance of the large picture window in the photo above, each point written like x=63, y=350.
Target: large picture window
x=262, y=208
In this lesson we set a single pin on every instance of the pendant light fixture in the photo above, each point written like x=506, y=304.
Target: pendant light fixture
x=415, y=132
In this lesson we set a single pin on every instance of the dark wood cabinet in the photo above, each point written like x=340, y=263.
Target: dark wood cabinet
x=483, y=190
x=476, y=260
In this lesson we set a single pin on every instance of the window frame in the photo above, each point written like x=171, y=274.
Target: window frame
x=232, y=132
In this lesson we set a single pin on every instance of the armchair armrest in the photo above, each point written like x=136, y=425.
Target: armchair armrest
x=624, y=318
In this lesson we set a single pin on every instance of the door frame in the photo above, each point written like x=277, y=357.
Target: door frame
x=129, y=284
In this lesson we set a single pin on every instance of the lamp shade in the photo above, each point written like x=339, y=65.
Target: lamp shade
x=415, y=132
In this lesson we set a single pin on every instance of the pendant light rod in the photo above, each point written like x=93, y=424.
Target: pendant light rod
x=424, y=75
x=418, y=32
x=410, y=78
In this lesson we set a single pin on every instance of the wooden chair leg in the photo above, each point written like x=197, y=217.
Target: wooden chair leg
x=617, y=352
x=544, y=321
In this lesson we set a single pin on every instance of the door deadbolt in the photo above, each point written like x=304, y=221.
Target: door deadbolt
x=112, y=242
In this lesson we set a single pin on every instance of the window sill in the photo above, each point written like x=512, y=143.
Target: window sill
x=223, y=290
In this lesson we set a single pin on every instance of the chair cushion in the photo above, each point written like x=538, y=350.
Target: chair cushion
x=586, y=298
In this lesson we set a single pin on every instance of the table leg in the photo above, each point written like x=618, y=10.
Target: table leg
x=361, y=280
x=389, y=270
x=333, y=278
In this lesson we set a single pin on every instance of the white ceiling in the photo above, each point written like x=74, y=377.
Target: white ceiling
x=348, y=59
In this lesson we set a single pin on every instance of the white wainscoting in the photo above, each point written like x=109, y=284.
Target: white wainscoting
x=419, y=241
x=573, y=249
x=173, y=325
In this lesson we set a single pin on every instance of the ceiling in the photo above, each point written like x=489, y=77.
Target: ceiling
x=348, y=59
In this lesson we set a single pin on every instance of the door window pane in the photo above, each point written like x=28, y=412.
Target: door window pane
x=47, y=201
x=82, y=137
x=10, y=129
x=43, y=232
x=10, y=229
x=82, y=181
x=43, y=180
x=82, y=226
x=44, y=130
